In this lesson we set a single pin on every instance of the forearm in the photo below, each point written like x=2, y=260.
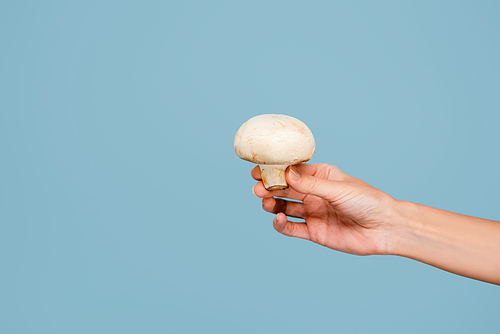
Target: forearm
x=460, y=244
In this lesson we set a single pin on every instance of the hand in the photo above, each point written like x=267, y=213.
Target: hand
x=341, y=212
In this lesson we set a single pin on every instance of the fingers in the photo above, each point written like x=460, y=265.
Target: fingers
x=277, y=205
x=311, y=185
x=260, y=191
x=322, y=170
x=288, y=228
x=314, y=175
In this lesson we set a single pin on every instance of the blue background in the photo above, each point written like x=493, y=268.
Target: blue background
x=123, y=208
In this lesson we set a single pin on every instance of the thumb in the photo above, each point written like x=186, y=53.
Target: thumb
x=311, y=185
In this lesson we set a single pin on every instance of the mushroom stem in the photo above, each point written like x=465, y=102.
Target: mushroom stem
x=273, y=176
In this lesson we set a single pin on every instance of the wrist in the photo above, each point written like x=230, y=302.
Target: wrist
x=404, y=229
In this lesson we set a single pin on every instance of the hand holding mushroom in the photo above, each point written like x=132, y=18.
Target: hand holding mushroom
x=340, y=212
x=274, y=142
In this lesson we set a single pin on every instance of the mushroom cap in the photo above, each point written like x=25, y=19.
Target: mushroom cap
x=274, y=139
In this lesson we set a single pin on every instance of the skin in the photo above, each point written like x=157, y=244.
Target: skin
x=347, y=214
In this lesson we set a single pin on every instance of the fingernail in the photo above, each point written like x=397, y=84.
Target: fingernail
x=253, y=190
x=275, y=220
x=294, y=174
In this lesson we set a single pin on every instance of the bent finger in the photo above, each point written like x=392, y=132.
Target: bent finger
x=290, y=229
x=277, y=205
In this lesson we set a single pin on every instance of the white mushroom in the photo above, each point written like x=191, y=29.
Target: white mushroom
x=274, y=142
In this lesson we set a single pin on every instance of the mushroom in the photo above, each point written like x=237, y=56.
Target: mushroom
x=274, y=142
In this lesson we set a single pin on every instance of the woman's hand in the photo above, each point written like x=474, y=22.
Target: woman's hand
x=341, y=212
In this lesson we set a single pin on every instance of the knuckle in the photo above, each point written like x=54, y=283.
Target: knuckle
x=331, y=169
x=314, y=184
x=334, y=173
x=322, y=166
